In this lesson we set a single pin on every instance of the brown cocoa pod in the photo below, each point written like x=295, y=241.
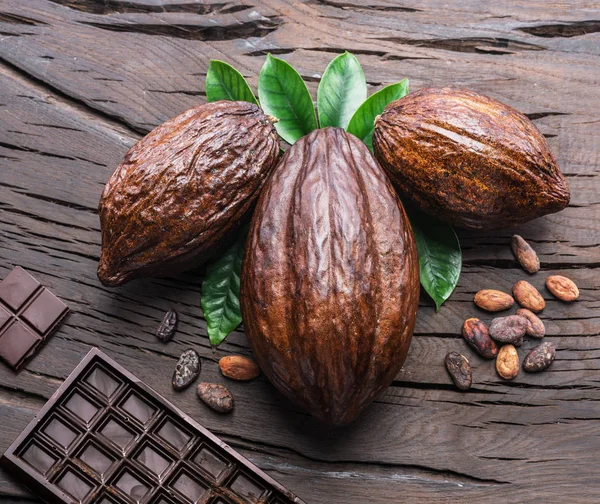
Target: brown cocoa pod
x=183, y=190
x=509, y=329
x=238, y=367
x=215, y=396
x=330, y=280
x=468, y=159
x=477, y=336
x=535, y=327
x=493, y=300
x=460, y=370
x=528, y=296
x=562, y=287
x=507, y=362
x=526, y=256
x=540, y=357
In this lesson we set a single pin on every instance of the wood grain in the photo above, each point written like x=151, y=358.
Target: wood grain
x=81, y=81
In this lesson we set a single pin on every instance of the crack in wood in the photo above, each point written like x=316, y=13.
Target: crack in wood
x=490, y=45
x=360, y=7
x=6, y=17
x=567, y=30
x=132, y=6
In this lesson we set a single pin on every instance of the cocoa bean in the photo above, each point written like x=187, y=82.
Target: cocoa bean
x=168, y=326
x=215, y=396
x=528, y=296
x=509, y=329
x=526, y=256
x=460, y=370
x=238, y=367
x=477, y=336
x=535, y=327
x=187, y=369
x=562, y=287
x=540, y=357
x=507, y=362
x=493, y=300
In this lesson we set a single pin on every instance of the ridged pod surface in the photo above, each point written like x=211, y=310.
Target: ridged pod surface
x=468, y=159
x=330, y=280
x=183, y=189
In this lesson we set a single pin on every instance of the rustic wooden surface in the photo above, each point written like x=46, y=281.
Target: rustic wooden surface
x=81, y=80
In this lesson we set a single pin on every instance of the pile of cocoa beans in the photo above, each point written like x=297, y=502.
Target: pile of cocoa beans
x=504, y=335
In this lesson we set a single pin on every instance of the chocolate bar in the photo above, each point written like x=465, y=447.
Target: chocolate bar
x=29, y=313
x=105, y=437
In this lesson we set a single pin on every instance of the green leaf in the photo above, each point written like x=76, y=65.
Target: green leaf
x=341, y=91
x=440, y=258
x=284, y=95
x=363, y=120
x=221, y=292
x=223, y=82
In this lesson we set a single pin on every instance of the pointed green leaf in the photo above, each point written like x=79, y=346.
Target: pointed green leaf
x=363, y=120
x=284, y=95
x=440, y=257
x=223, y=82
x=221, y=292
x=341, y=91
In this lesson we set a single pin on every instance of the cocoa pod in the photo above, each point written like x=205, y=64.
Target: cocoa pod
x=468, y=159
x=238, y=367
x=187, y=369
x=477, y=336
x=528, y=296
x=540, y=357
x=460, y=370
x=507, y=362
x=526, y=256
x=493, y=300
x=562, y=287
x=215, y=396
x=167, y=327
x=509, y=329
x=535, y=327
x=330, y=280
x=183, y=190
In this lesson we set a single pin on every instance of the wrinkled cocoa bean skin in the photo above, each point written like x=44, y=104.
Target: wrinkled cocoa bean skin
x=526, y=256
x=460, y=370
x=468, y=159
x=330, y=280
x=183, y=190
x=493, y=300
x=509, y=329
x=528, y=296
x=187, y=369
x=168, y=326
x=507, y=362
x=539, y=358
x=215, y=396
x=477, y=336
x=562, y=287
x=535, y=328
x=239, y=367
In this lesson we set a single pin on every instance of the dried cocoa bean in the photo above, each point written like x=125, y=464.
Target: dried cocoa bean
x=562, y=287
x=477, y=336
x=460, y=370
x=535, y=327
x=187, y=369
x=168, y=326
x=526, y=256
x=493, y=300
x=540, y=357
x=509, y=329
x=238, y=367
x=528, y=296
x=507, y=362
x=215, y=396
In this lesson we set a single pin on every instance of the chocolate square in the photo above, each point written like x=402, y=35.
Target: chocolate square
x=16, y=343
x=17, y=287
x=28, y=314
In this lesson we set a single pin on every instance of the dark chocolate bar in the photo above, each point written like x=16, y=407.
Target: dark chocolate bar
x=29, y=313
x=105, y=437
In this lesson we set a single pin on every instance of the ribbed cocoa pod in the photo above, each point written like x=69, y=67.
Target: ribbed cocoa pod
x=330, y=280
x=182, y=190
x=468, y=159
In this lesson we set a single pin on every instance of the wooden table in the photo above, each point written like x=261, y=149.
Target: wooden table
x=82, y=80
